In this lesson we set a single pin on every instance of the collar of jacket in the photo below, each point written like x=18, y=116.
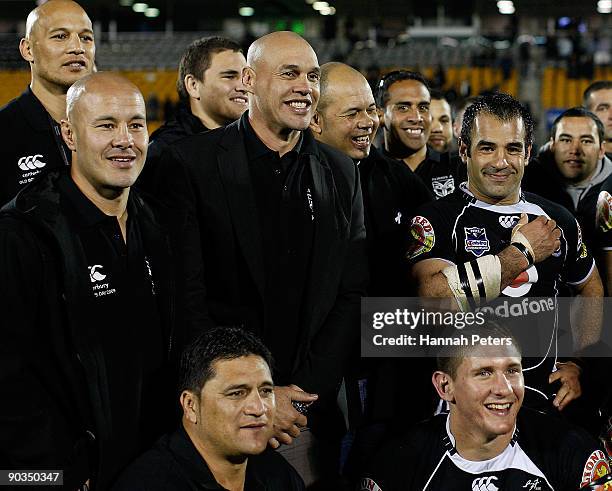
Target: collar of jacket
x=190, y=123
x=35, y=113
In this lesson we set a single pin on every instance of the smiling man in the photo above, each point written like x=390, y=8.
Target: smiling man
x=59, y=47
x=94, y=334
x=486, y=441
x=210, y=91
x=277, y=220
x=441, y=134
x=405, y=103
x=227, y=398
x=490, y=240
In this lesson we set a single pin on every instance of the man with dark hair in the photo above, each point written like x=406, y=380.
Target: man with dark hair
x=597, y=98
x=441, y=135
x=278, y=221
x=87, y=293
x=571, y=172
x=59, y=47
x=211, y=94
x=404, y=100
x=227, y=398
x=486, y=441
x=489, y=240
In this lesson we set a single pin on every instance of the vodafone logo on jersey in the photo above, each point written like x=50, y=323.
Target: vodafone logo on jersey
x=522, y=283
x=31, y=162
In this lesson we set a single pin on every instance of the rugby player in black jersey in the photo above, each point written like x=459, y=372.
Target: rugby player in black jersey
x=486, y=442
x=490, y=240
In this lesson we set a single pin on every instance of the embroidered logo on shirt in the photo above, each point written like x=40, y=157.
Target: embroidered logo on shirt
x=443, y=185
x=508, y=221
x=31, y=162
x=533, y=485
x=476, y=240
x=484, y=484
x=398, y=218
x=369, y=485
x=96, y=276
x=310, y=204
x=95, y=273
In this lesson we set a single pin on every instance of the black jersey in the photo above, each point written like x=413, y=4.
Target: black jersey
x=544, y=454
x=460, y=228
x=439, y=172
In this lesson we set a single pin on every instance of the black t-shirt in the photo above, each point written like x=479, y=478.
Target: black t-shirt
x=283, y=196
x=439, y=172
x=174, y=464
x=459, y=228
x=126, y=320
x=391, y=195
x=545, y=454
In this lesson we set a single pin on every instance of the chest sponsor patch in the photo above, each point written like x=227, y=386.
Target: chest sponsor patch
x=476, y=240
x=595, y=468
x=31, y=162
x=422, y=237
x=603, y=219
x=99, y=281
x=486, y=483
x=443, y=185
x=368, y=484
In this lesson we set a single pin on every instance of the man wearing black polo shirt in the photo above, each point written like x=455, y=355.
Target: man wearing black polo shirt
x=59, y=47
x=227, y=398
x=404, y=100
x=87, y=299
x=278, y=221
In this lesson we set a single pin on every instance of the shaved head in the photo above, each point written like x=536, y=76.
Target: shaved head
x=262, y=47
x=335, y=73
x=94, y=83
x=40, y=13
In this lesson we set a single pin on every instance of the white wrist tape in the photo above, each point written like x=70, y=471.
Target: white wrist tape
x=517, y=236
x=474, y=282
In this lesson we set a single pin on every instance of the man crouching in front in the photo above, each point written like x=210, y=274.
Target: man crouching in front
x=227, y=397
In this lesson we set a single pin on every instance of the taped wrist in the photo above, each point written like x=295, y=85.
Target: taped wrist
x=474, y=282
x=517, y=236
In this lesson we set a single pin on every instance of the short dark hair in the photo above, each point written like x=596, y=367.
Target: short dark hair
x=437, y=95
x=579, y=112
x=220, y=343
x=450, y=357
x=594, y=87
x=502, y=106
x=387, y=80
x=197, y=58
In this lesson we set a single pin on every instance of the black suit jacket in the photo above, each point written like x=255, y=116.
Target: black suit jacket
x=206, y=179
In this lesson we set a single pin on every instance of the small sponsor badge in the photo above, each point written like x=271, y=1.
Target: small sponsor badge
x=476, y=240
x=596, y=467
x=368, y=484
x=422, y=237
x=604, y=211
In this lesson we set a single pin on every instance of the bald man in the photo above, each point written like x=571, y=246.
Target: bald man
x=278, y=221
x=87, y=300
x=59, y=47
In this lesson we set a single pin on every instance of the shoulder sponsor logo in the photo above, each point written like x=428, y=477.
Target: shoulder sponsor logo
x=604, y=211
x=31, y=162
x=95, y=273
x=369, y=485
x=596, y=467
x=422, y=237
x=476, y=240
x=522, y=283
x=508, y=221
x=443, y=185
x=484, y=484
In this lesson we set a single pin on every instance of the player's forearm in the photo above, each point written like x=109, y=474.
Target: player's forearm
x=587, y=312
x=512, y=263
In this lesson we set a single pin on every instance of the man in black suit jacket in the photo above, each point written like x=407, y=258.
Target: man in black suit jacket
x=278, y=221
